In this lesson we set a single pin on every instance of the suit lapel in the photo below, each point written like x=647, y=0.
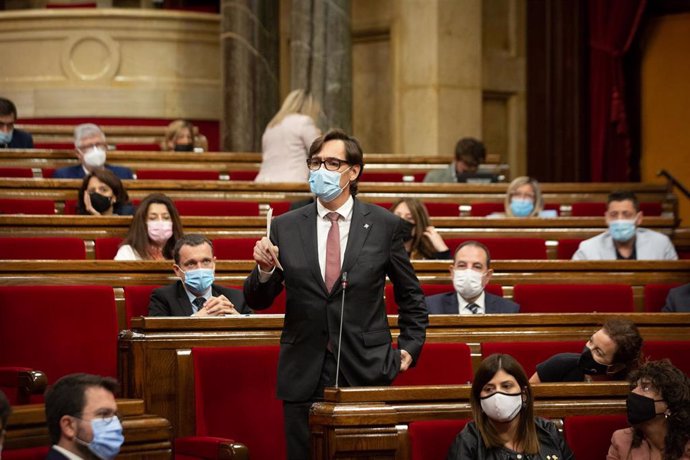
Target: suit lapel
x=359, y=231
x=307, y=230
x=183, y=300
x=450, y=304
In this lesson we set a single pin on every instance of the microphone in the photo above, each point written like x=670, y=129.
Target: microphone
x=343, y=283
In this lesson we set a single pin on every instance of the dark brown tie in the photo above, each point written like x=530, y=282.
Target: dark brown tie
x=332, y=251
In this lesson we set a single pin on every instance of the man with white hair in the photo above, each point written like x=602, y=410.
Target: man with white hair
x=90, y=148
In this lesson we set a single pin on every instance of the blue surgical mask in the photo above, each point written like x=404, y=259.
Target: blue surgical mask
x=199, y=279
x=107, y=437
x=6, y=137
x=622, y=230
x=521, y=207
x=325, y=184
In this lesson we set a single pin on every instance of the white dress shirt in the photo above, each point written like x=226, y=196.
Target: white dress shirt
x=480, y=302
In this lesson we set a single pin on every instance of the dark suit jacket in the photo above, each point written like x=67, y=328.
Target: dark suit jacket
x=312, y=316
x=20, y=140
x=77, y=172
x=55, y=455
x=172, y=300
x=678, y=299
x=447, y=304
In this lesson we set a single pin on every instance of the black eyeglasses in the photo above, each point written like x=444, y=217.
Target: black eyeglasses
x=331, y=164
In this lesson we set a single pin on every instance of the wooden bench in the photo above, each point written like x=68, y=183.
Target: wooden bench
x=146, y=436
x=373, y=422
x=156, y=349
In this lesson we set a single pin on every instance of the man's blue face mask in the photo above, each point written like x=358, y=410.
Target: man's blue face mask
x=199, y=279
x=622, y=230
x=107, y=437
x=326, y=184
x=6, y=137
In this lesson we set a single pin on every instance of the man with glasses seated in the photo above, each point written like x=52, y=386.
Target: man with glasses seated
x=91, y=148
x=195, y=294
x=82, y=418
x=11, y=138
x=625, y=240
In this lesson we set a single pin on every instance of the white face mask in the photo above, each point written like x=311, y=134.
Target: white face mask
x=468, y=283
x=502, y=407
x=94, y=157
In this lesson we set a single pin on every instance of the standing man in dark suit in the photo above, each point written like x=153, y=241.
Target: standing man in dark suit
x=82, y=418
x=317, y=253
x=678, y=299
x=11, y=138
x=470, y=273
x=90, y=148
x=194, y=294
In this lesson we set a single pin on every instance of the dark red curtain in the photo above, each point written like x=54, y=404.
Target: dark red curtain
x=612, y=27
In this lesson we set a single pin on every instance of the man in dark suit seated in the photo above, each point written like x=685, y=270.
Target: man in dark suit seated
x=11, y=138
x=678, y=299
x=82, y=418
x=194, y=294
x=90, y=148
x=470, y=273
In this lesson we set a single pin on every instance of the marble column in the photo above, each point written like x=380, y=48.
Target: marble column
x=249, y=61
x=321, y=57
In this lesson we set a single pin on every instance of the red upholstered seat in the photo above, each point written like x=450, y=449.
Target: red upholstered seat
x=243, y=175
x=217, y=208
x=589, y=436
x=47, y=173
x=529, y=354
x=16, y=172
x=280, y=207
x=573, y=298
x=73, y=329
x=176, y=174
x=235, y=399
x=507, y=248
x=437, y=209
x=137, y=301
x=429, y=290
x=36, y=248
x=26, y=206
x=106, y=248
x=484, y=209
x=70, y=207
x=234, y=248
x=28, y=453
x=599, y=209
x=655, y=296
x=431, y=439
x=439, y=364
x=675, y=350
x=567, y=247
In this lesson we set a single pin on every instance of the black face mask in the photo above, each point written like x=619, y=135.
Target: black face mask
x=588, y=365
x=407, y=229
x=184, y=147
x=100, y=202
x=640, y=408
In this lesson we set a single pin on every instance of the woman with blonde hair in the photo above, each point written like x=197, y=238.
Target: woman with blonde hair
x=287, y=138
x=524, y=199
x=181, y=136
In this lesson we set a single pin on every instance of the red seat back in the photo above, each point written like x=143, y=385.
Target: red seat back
x=429, y=290
x=106, y=248
x=675, y=350
x=251, y=409
x=137, y=301
x=567, y=247
x=439, y=364
x=529, y=354
x=507, y=248
x=437, y=209
x=27, y=453
x=73, y=329
x=655, y=296
x=16, y=172
x=573, y=298
x=589, y=436
x=28, y=206
x=243, y=175
x=280, y=207
x=177, y=174
x=217, y=208
x=36, y=248
x=484, y=209
x=431, y=439
x=234, y=248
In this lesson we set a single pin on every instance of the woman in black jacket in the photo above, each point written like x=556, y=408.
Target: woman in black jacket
x=504, y=426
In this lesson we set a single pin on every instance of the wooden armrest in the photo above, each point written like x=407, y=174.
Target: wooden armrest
x=212, y=448
x=27, y=382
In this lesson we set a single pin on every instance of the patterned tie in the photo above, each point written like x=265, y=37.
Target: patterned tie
x=332, y=251
x=199, y=303
x=473, y=307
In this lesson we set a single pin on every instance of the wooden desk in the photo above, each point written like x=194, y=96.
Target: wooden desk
x=146, y=436
x=155, y=363
x=372, y=422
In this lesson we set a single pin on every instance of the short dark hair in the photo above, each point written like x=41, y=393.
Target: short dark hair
x=628, y=344
x=68, y=397
x=5, y=410
x=7, y=107
x=622, y=195
x=111, y=180
x=470, y=151
x=353, y=151
x=478, y=245
x=192, y=239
